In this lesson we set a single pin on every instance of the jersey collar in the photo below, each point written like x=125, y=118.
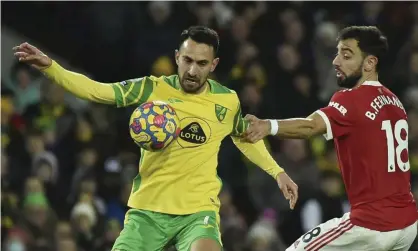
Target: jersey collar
x=372, y=83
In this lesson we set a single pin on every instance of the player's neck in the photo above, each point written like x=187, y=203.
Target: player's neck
x=202, y=89
x=369, y=77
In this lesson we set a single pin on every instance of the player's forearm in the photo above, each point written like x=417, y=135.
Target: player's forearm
x=80, y=85
x=296, y=128
x=258, y=154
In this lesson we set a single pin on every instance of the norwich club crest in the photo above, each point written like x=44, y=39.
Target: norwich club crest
x=220, y=112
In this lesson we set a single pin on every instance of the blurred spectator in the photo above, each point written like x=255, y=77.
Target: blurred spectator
x=17, y=240
x=38, y=222
x=288, y=58
x=325, y=155
x=240, y=30
x=246, y=54
x=52, y=115
x=117, y=207
x=233, y=239
x=250, y=11
x=12, y=139
x=163, y=66
x=63, y=231
x=324, y=50
x=300, y=92
x=88, y=187
x=329, y=202
x=412, y=78
x=228, y=212
x=370, y=14
x=84, y=131
x=84, y=220
x=58, y=124
x=10, y=212
x=67, y=245
x=160, y=28
x=288, y=16
x=405, y=70
x=45, y=167
x=86, y=167
x=24, y=86
x=299, y=166
x=33, y=185
x=5, y=182
x=262, y=235
x=204, y=14
x=413, y=125
x=113, y=228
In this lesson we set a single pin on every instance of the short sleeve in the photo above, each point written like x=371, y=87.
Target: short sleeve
x=133, y=91
x=339, y=116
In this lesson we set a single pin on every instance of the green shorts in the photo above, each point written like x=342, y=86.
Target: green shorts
x=151, y=231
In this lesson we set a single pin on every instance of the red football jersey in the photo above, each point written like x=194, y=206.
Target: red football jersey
x=370, y=131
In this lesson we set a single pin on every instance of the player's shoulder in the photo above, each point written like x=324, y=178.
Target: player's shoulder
x=224, y=95
x=171, y=80
x=218, y=88
x=343, y=95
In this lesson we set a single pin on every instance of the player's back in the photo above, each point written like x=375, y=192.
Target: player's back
x=373, y=157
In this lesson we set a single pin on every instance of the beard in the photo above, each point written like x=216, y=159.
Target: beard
x=350, y=81
x=191, y=84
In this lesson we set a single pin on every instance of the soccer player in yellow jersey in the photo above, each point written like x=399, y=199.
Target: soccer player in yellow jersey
x=174, y=198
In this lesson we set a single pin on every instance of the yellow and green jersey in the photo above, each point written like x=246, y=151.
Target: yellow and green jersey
x=181, y=179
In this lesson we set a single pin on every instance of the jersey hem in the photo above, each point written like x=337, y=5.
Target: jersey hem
x=176, y=212
x=371, y=226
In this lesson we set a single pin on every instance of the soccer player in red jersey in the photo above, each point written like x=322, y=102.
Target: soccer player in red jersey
x=369, y=126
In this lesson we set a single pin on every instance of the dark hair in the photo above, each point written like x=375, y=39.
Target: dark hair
x=370, y=40
x=201, y=34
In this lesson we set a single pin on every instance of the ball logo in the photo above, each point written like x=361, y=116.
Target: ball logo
x=195, y=132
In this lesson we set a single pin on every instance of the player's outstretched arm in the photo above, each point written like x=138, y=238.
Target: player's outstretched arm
x=78, y=84
x=299, y=128
x=333, y=121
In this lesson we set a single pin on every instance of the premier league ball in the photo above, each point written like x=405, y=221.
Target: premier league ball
x=154, y=125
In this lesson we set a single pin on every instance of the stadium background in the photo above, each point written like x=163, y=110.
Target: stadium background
x=68, y=164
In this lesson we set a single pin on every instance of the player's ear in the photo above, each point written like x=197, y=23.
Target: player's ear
x=215, y=62
x=176, y=56
x=370, y=63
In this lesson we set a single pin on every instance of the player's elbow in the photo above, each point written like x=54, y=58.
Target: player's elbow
x=310, y=129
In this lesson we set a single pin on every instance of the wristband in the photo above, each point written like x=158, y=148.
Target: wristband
x=274, y=127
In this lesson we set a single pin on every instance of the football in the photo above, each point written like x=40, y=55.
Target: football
x=154, y=125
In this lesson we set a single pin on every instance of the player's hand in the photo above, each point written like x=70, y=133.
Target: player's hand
x=257, y=130
x=31, y=55
x=289, y=189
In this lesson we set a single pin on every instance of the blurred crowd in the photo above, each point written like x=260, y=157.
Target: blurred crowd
x=67, y=166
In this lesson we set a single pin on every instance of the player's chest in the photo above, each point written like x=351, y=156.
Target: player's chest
x=202, y=120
